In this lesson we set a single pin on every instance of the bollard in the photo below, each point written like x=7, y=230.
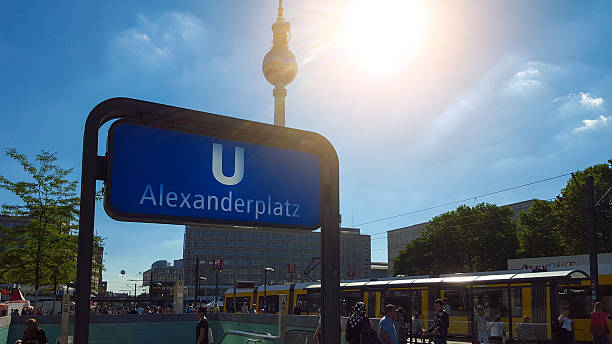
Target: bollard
x=282, y=312
x=65, y=317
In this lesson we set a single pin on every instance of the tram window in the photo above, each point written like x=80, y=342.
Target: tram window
x=349, y=299
x=272, y=303
x=372, y=303
x=577, y=299
x=229, y=301
x=314, y=302
x=605, y=292
x=495, y=302
x=302, y=303
x=456, y=300
x=403, y=298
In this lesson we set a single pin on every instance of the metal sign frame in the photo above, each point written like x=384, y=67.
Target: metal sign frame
x=96, y=167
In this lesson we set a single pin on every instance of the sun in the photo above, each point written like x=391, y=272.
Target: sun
x=383, y=36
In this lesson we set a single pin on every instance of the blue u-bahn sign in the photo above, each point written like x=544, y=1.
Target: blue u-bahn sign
x=165, y=164
x=180, y=177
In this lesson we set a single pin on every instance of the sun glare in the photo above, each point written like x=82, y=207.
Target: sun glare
x=382, y=36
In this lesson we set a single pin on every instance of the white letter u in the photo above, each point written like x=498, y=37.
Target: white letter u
x=217, y=165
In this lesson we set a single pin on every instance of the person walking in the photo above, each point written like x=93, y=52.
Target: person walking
x=567, y=327
x=482, y=334
x=439, y=330
x=498, y=330
x=386, y=328
x=599, y=325
x=400, y=325
x=357, y=324
x=525, y=331
x=416, y=326
x=202, y=328
x=33, y=333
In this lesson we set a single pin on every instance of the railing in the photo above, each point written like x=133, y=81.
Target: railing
x=291, y=337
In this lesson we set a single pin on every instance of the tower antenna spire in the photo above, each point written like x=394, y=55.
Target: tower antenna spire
x=280, y=8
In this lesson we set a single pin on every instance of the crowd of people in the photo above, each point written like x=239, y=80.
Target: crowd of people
x=131, y=309
x=394, y=327
x=562, y=328
x=30, y=311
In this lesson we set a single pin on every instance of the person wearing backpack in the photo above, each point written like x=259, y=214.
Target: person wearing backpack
x=358, y=327
x=599, y=324
x=439, y=330
x=203, y=332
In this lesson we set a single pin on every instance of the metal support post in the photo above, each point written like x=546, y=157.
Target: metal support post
x=151, y=286
x=216, y=285
x=330, y=258
x=197, y=280
x=265, y=290
x=589, y=217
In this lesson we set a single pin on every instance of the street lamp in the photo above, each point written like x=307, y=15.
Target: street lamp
x=200, y=278
x=266, y=288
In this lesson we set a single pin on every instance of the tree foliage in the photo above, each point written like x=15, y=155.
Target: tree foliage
x=43, y=250
x=558, y=227
x=475, y=238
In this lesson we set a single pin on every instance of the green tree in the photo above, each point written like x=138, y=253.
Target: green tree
x=43, y=249
x=558, y=228
x=569, y=210
x=475, y=238
x=539, y=232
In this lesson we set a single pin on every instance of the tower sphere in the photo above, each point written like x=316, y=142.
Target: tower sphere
x=280, y=66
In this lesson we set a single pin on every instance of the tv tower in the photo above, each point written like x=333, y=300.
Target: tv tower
x=280, y=65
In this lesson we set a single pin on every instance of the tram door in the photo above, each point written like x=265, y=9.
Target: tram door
x=459, y=310
x=409, y=300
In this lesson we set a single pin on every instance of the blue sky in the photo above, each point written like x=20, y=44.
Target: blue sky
x=492, y=94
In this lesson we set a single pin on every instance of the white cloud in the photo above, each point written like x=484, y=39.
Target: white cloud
x=592, y=124
x=160, y=40
x=511, y=94
x=524, y=81
x=580, y=104
x=512, y=116
x=588, y=101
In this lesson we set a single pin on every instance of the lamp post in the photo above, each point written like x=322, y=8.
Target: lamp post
x=266, y=288
x=151, y=286
x=200, y=278
x=218, y=268
x=197, y=279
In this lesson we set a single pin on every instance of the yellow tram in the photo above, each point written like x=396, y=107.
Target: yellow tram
x=510, y=296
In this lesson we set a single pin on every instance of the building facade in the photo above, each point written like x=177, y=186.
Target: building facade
x=397, y=239
x=294, y=255
x=379, y=270
x=160, y=278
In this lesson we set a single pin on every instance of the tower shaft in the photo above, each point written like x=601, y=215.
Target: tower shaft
x=280, y=93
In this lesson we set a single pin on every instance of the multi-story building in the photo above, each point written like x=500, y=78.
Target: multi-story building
x=294, y=255
x=160, y=278
x=379, y=270
x=397, y=239
x=97, y=267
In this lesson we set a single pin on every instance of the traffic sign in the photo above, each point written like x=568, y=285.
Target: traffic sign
x=180, y=177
